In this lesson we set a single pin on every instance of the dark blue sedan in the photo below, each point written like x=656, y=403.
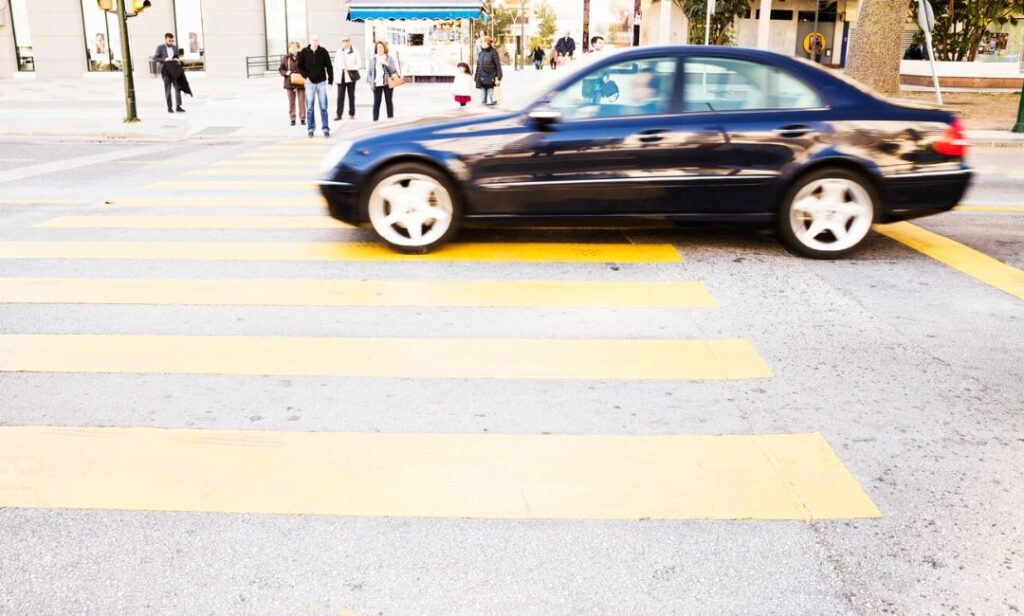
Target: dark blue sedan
x=671, y=133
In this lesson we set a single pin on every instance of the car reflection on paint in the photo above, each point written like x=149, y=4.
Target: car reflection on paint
x=680, y=134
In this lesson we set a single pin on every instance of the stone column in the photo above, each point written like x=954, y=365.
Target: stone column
x=233, y=29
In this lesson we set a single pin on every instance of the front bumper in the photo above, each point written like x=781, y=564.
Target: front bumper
x=912, y=195
x=342, y=200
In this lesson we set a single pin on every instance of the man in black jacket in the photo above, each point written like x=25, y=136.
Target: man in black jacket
x=315, y=65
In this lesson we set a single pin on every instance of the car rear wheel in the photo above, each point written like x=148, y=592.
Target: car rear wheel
x=827, y=214
x=413, y=208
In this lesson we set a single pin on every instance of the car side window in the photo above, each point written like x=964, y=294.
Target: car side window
x=633, y=88
x=725, y=84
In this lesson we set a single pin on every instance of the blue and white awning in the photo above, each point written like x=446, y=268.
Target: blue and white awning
x=361, y=10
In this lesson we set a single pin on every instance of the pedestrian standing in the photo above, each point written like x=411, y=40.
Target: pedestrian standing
x=315, y=66
x=294, y=84
x=538, y=57
x=462, y=88
x=565, y=47
x=554, y=58
x=168, y=53
x=349, y=62
x=379, y=70
x=488, y=71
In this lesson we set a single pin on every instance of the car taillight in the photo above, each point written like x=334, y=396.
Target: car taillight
x=953, y=141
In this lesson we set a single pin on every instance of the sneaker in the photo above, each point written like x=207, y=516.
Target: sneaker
x=293, y=122
x=169, y=110
x=310, y=134
x=179, y=109
x=327, y=133
x=303, y=122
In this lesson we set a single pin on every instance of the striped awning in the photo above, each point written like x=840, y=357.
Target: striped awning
x=362, y=10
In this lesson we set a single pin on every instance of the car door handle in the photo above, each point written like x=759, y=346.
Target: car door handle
x=791, y=131
x=652, y=135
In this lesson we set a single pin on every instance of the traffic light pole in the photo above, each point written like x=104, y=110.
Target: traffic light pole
x=131, y=114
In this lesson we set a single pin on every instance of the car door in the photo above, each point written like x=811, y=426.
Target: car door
x=612, y=142
x=769, y=120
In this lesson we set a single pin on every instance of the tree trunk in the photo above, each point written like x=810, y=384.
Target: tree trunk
x=876, y=45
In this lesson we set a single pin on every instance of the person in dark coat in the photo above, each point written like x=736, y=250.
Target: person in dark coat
x=296, y=94
x=175, y=73
x=566, y=46
x=538, y=57
x=488, y=71
x=168, y=54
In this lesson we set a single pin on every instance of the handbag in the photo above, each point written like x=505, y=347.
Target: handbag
x=353, y=76
x=393, y=80
x=297, y=79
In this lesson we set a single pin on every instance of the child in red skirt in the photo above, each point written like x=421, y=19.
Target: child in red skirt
x=463, y=87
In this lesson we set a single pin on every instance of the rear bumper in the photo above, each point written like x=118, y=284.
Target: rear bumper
x=342, y=201
x=912, y=195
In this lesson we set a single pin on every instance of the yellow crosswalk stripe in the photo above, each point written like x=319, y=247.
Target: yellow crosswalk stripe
x=193, y=222
x=215, y=201
x=954, y=254
x=262, y=163
x=303, y=156
x=558, y=477
x=469, y=293
x=445, y=358
x=229, y=172
x=241, y=185
x=337, y=251
x=1019, y=209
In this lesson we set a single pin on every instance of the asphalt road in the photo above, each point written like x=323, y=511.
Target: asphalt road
x=908, y=368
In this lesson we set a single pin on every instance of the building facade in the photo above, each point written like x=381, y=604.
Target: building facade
x=59, y=39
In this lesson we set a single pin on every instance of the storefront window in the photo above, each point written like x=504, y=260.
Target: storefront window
x=22, y=36
x=102, y=38
x=188, y=19
x=423, y=48
x=286, y=21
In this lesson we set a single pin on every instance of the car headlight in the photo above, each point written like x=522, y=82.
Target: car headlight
x=334, y=157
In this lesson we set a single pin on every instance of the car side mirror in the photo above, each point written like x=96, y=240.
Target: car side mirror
x=544, y=118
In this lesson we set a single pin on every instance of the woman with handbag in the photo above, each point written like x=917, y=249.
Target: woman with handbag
x=294, y=84
x=488, y=71
x=382, y=75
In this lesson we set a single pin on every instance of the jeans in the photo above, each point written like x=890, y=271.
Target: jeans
x=316, y=92
x=168, y=82
x=348, y=87
x=537, y=64
x=488, y=96
x=386, y=92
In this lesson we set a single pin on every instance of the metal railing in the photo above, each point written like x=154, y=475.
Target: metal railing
x=259, y=66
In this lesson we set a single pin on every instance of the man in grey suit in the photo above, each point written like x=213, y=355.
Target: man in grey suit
x=165, y=53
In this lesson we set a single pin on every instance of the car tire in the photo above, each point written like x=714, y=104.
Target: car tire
x=414, y=208
x=827, y=213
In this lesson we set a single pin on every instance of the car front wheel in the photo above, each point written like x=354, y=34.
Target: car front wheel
x=827, y=214
x=413, y=208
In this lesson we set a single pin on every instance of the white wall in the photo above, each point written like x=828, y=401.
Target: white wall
x=146, y=31
x=57, y=38
x=8, y=59
x=327, y=18
x=662, y=23
x=233, y=29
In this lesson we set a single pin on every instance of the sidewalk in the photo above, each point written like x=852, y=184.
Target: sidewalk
x=253, y=109
x=230, y=110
